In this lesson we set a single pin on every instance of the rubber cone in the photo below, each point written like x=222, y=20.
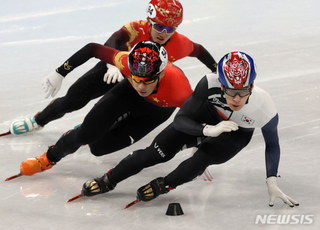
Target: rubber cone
x=174, y=209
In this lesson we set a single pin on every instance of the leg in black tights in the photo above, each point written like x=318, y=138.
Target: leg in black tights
x=212, y=150
x=169, y=142
x=163, y=148
x=99, y=129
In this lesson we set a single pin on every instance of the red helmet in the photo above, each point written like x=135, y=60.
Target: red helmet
x=165, y=12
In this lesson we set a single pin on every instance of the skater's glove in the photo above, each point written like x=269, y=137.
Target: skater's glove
x=216, y=130
x=274, y=192
x=112, y=75
x=52, y=84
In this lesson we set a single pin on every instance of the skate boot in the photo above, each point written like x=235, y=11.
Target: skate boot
x=24, y=125
x=36, y=165
x=98, y=186
x=153, y=189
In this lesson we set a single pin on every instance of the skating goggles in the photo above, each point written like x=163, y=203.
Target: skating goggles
x=145, y=80
x=160, y=28
x=234, y=92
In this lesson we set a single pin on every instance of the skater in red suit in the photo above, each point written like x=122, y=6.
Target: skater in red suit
x=145, y=99
x=163, y=19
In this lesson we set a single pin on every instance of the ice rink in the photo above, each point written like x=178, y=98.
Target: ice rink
x=282, y=36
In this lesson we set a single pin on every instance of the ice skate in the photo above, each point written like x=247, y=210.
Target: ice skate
x=96, y=186
x=36, y=165
x=24, y=125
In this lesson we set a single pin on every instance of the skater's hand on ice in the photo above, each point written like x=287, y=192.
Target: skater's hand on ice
x=274, y=192
x=52, y=84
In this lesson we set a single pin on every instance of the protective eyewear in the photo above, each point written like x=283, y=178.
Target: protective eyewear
x=145, y=80
x=234, y=92
x=160, y=28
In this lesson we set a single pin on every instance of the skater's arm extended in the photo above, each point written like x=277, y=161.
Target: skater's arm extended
x=104, y=53
x=118, y=40
x=183, y=121
x=204, y=56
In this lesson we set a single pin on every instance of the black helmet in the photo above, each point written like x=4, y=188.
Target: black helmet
x=147, y=59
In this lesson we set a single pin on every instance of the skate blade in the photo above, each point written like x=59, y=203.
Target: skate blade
x=15, y=176
x=132, y=203
x=74, y=198
x=4, y=134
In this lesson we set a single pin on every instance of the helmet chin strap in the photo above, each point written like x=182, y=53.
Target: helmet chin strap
x=248, y=100
x=250, y=94
x=166, y=42
x=157, y=86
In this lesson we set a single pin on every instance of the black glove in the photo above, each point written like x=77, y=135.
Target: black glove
x=152, y=190
x=98, y=186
